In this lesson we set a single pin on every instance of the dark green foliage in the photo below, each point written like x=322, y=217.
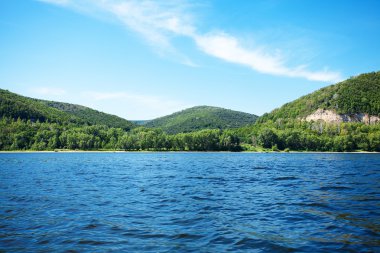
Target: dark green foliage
x=91, y=116
x=16, y=106
x=284, y=128
x=29, y=124
x=267, y=138
x=294, y=134
x=27, y=135
x=360, y=94
x=202, y=117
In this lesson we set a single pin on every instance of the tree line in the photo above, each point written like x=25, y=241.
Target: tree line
x=276, y=135
x=27, y=135
x=300, y=135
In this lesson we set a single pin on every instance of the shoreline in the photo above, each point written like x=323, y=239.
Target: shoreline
x=152, y=151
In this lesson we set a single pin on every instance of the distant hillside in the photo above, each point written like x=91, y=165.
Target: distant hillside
x=357, y=95
x=15, y=106
x=202, y=117
x=140, y=122
x=89, y=115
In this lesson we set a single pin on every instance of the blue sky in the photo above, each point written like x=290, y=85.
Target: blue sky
x=145, y=59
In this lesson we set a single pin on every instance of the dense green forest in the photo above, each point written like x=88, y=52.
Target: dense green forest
x=202, y=117
x=284, y=129
x=90, y=116
x=297, y=135
x=288, y=135
x=31, y=124
x=27, y=135
x=16, y=106
x=360, y=94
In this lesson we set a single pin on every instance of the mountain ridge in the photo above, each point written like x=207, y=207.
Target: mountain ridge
x=17, y=106
x=90, y=115
x=201, y=117
x=356, y=95
x=32, y=124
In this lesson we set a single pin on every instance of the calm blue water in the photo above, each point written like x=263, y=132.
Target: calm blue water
x=184, y=202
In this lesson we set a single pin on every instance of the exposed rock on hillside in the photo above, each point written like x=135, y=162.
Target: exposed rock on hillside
x=351, y=100
x=332, y=117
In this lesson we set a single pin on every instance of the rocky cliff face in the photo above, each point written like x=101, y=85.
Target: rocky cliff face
x=332, y=117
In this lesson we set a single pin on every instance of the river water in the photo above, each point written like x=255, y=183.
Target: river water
x=189, y=202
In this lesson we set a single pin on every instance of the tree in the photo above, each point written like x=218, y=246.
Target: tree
x=267, y=138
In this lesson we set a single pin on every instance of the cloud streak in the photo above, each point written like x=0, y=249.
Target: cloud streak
x=58, y=2
x=158, y=22
x=228, y=48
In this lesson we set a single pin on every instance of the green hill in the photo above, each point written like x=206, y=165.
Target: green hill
x=201, y=117
x=340, y=117
x=48, y=125
x=91, y=116
x=359, y=94
x=15, y=106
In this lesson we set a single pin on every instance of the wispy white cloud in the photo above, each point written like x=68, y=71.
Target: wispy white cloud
x=58, y=2
x=48, y=91
x=158, y=22
x=228, y=48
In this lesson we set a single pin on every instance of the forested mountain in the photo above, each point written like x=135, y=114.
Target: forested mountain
x=291, y=127
x=201, y=117
x=360, y=94
x=16, y=106
x=93, y=117
x=31, y=124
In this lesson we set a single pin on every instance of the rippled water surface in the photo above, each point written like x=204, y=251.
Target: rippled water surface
x=183, y=202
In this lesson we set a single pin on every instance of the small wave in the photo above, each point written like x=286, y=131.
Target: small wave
x=92, y=242
x=366, y=199
x=332, y=227
x=187, y=222
x=313, y=204
x=171, y=200
x=285, y=178
x=42, y=242
x=187, y=236
x=247, y=243
x=266, y=246
x=153, y=236
x=261, y=168
x=222, y=240
x=196, y=177
x=91, y=226
x=327, y=188
x=200, y=198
